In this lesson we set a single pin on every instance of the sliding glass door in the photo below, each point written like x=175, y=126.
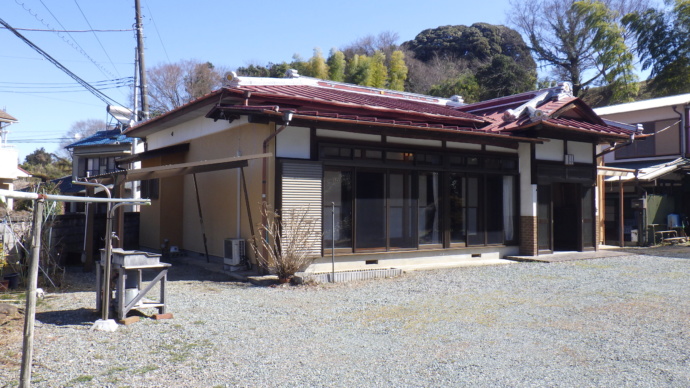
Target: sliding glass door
x=370, y=210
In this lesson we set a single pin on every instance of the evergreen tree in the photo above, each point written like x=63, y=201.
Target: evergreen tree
x=397, y=71
x=465, y=86
x=336, y=66
x=379, y=71
x=360, y=73
x=317, y=65
x=663, y=46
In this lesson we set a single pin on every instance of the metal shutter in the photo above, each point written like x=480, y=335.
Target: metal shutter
x=301, y=191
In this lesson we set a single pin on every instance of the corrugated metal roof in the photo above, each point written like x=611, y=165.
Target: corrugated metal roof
x=113, y=136
x=680, y=99
x=656, y=171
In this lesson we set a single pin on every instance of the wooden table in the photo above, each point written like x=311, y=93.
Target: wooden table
x=670, y=236
x=138, y=302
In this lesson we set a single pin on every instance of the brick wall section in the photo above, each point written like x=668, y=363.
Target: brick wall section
x=528, y=235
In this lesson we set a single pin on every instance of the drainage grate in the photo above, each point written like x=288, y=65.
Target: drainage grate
x=349, y=276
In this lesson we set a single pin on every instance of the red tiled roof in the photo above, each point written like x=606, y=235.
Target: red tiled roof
x=499, y=105
x=586, y=126
x=314, y=100
x=305, y=95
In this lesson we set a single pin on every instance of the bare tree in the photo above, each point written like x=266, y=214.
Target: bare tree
x=422, y=76
x=172, y=85
x=79, y=130
x=561, y=38
x=386, y=41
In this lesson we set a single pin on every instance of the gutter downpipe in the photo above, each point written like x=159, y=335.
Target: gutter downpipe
x=683, y=131
x=287, y=116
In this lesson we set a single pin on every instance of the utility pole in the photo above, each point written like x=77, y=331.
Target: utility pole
x=142, y=68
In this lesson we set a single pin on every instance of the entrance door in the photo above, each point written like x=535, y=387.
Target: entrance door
x=567, y=218
x=544, y=229
x=370, y=213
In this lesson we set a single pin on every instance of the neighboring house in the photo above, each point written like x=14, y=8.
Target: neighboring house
x=95, y=155
x=412, y=180
x=656, y=184
x=9, y=157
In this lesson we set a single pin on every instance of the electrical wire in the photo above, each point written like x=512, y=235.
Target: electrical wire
x=155, y=27
x=56, y=31
x=81, y=49
x=102, y=96
x=96, y=36
x=74, y=45
x=48, y=84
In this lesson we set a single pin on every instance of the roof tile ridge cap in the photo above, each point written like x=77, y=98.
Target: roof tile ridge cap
x=381, y=92
x=270, y=81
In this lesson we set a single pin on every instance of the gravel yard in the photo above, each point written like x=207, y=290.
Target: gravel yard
x=622, y=321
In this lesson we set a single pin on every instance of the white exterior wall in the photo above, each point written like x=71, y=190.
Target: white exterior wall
x=294, y=142
x=552, y=150
x=189, y=131
x=583, y=152
x=417, y=142
x=9, y=159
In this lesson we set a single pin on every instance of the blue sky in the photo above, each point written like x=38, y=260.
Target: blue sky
x=228, y=33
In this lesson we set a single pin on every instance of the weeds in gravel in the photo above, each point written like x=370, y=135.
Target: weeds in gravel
x=114, y=370
x=81, y=379
x=145, y=370
x=180, y=351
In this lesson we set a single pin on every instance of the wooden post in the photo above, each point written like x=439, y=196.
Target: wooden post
x=119, y=219
x=30, y=312
x=201, y=218
x=621, y=231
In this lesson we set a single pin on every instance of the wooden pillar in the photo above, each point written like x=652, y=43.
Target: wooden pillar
x=621, y=230
x=90, y=219
x=119, y=219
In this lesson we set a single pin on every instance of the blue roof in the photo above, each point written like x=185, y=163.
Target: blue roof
x=113, y=136
x=65, y=185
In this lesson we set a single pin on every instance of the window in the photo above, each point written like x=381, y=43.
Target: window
x=150, y=189
x=457, y=208
x=403, y=202
x=429, y=210
x=97, y=166
x=337, y=209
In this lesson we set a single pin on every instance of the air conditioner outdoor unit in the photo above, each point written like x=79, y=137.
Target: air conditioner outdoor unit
x=234, y=251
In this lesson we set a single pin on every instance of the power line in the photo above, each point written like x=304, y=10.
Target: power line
x=155, y=27
x=96, y=36
x=81, y=49
x=102, y=82
x=102, y=96
x=74, y=44
x=56, y=31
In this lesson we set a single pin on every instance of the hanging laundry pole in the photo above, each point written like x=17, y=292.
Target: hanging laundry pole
x=30, y=311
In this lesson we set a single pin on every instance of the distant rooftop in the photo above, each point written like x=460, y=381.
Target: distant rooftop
x=680, y=99
x=6, y=117
x=113, y=136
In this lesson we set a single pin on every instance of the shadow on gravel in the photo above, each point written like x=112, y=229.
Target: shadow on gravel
x=190, y=272
x=80, y=316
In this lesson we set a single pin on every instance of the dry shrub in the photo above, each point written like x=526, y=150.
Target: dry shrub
x=286, y=243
